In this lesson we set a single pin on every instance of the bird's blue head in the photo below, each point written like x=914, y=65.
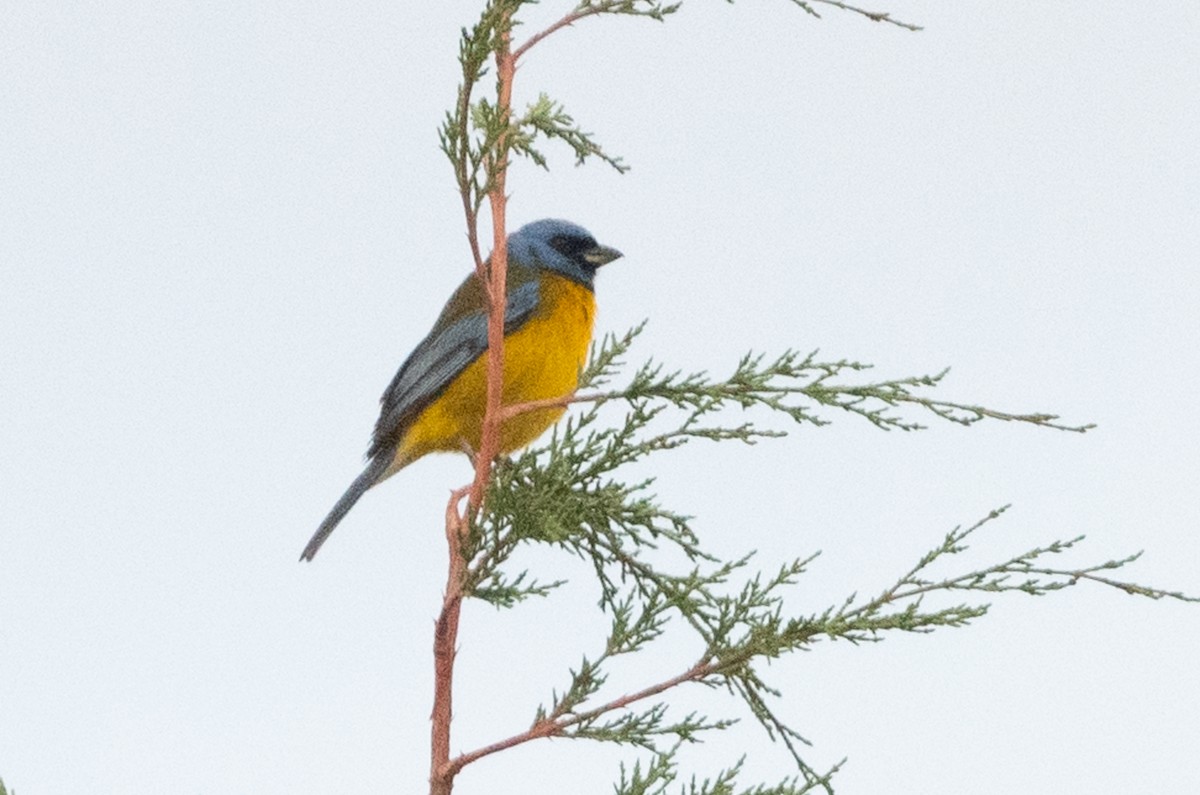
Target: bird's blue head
x=562, y=247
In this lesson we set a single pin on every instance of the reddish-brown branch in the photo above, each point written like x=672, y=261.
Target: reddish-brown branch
x=514, y=409
x=441, y=773
x=489, y=443
x=555, y=725
x=566, y=21
x=445, y=647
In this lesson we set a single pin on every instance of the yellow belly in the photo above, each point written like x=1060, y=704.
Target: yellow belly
x=542, y=360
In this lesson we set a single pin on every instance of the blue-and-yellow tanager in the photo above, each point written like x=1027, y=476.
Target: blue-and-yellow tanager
x=436, y=401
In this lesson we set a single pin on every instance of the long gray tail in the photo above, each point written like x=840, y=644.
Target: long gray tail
x=369, y=477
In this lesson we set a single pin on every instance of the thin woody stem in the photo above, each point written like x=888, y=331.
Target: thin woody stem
x=445, y=647
x=489, y=444
x=441, y=778
x=564, y=22
x=874, y=16
x=555, y=725
x=515, y=409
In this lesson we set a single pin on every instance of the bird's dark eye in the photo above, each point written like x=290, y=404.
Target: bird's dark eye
x=571, y=246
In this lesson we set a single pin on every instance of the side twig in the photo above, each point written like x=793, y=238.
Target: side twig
x=555, y=724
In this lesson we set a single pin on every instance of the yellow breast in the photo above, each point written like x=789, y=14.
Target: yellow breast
x=542, y=360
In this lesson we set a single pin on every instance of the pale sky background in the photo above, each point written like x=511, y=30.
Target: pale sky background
x=224, y=225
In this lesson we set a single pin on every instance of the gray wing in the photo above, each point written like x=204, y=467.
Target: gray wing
x=440, y=357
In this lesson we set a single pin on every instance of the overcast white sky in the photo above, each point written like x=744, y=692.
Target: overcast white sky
x=223, y=226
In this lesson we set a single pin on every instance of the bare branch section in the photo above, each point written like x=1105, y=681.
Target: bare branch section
x=874, y=16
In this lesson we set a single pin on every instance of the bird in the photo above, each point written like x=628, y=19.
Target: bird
x=437, y=398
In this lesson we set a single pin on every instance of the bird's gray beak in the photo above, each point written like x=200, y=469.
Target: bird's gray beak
x=600, y=255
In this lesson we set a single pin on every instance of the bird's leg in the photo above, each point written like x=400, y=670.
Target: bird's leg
x=466, y=448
